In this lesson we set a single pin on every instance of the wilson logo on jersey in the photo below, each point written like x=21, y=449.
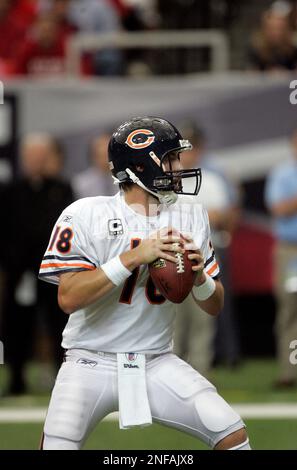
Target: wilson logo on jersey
x=140, y=139
x=130, y=366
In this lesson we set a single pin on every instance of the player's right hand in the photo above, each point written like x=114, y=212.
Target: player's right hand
x=158, y=244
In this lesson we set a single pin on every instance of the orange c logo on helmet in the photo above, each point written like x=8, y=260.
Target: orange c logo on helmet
x=140, y=139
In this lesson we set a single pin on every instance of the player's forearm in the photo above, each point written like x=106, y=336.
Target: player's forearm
x=285, y=208
x=214, y=304
x=78, y=290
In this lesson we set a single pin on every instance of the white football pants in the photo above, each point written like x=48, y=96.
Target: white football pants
x=86, y=390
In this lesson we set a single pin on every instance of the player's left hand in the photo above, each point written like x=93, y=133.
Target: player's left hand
x=197, y=256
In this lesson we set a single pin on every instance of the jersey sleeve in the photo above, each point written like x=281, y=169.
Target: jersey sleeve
x=211, y=265
x=69, y=250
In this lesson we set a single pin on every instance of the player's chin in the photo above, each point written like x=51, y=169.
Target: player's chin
x=156, y=198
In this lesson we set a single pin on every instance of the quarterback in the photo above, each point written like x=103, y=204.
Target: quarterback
x=118, y=339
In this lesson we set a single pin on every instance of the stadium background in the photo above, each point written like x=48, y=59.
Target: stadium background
x=248, y=118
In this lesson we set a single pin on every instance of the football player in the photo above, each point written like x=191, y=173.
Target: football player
x=118, y=339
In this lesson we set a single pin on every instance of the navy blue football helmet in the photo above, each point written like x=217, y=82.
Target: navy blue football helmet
x=137, y=153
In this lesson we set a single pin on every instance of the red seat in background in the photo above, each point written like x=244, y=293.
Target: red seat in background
x=251, y=260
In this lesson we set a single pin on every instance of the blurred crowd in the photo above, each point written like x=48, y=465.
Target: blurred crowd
x=34, y=34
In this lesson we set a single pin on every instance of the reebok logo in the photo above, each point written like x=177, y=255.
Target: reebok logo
x=87, y=362
x=130, y=366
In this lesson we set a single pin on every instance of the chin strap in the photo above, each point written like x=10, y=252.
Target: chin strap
x=115, y=180
x=165, y=197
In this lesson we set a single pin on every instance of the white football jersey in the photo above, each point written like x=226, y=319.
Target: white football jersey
x=133, y=317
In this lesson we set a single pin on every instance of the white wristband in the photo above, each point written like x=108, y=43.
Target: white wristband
x=116, y=271
x=206, y=289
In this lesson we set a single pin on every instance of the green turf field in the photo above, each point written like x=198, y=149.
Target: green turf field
x=264, y=434
x=250, y=383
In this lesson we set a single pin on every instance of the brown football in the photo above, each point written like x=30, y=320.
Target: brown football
x=173, y=280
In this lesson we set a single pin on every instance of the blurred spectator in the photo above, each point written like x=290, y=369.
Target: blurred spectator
x=43, y=53
x=281, y=198
x=25, y=9
x=272, y=47
x=99, y=17
x=199, y=337
x=95, y=180
x=15, y=18
x=60, y=9
x=55, y=162
x=30, y=206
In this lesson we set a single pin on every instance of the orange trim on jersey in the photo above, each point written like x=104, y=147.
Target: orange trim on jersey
x=64, y=265
x=212, y=270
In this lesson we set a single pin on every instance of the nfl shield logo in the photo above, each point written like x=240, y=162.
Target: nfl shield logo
x=131, y=357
